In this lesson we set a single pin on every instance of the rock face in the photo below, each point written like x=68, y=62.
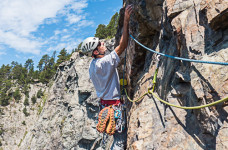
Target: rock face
x=68, y=117
x=65, y=118
x=14, y=125
x=195, y=29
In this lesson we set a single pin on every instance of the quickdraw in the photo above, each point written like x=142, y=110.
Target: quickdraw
x=120, y=117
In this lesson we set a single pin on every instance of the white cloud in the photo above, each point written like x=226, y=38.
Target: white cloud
x=58, y=47
x=57, y=32
x=85, y=23
x=65, y=37
x=78, y=6
x=2, y=53
x=51, y=20
x=18, y=56
x=24, y=16
x=68, y=45
x=20, y=43
x=20, y=18
x=65, y=30
x=71, y=18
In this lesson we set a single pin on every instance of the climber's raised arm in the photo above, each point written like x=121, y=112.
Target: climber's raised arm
x=124, y=38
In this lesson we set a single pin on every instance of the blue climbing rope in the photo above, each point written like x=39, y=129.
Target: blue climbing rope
x=179, y=58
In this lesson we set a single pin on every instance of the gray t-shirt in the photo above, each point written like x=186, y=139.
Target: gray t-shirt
x=104, y=75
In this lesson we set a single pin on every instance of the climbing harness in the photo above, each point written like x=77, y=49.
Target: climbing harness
x=155, y=77
x=106, y=103
x=111, y=118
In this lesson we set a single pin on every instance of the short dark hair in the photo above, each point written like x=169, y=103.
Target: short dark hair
x=93, y=54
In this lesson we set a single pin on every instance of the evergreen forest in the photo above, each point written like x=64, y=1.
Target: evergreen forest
x=15, y=78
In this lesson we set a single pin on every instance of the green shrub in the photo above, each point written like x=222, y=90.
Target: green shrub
x=108, y=31
x=25, y=112
x=41, y=105
x=23, y=123
x=1, y=131
x=26, y=90
x=17, y=95
x=4, y=98
x=26, y=102
x=1, y=112
x=40, y=93
x=34, y=99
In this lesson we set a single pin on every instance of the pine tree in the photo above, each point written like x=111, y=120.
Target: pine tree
x=5, y=84
x=108, y=31
x=4, y=98
x=36, y=74
x=47, y=68
x=40, y=65
x=17, y=95
x=79, y=46
x=62, y=57
x=16, y=70
x=101, y=31
x=29, y=64
x=112, y=26
x=46, y=59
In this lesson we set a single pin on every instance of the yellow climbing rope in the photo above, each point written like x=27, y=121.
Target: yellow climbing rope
x=148, y=92
x=154, y=82
x=136, y=100
x=194, y=107
x=182, y=107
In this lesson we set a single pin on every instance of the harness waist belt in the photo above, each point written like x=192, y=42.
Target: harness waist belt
x=110, y=102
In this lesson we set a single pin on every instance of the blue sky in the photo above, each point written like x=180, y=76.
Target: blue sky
x=30, y=29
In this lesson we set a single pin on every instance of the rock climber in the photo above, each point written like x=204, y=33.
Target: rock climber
x=104, y=75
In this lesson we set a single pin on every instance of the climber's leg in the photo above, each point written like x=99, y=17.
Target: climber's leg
x=119, y=141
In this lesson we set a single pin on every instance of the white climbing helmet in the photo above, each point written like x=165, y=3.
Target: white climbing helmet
x=89, y=44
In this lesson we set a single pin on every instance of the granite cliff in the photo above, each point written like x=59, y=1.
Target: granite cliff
x=195, y=29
